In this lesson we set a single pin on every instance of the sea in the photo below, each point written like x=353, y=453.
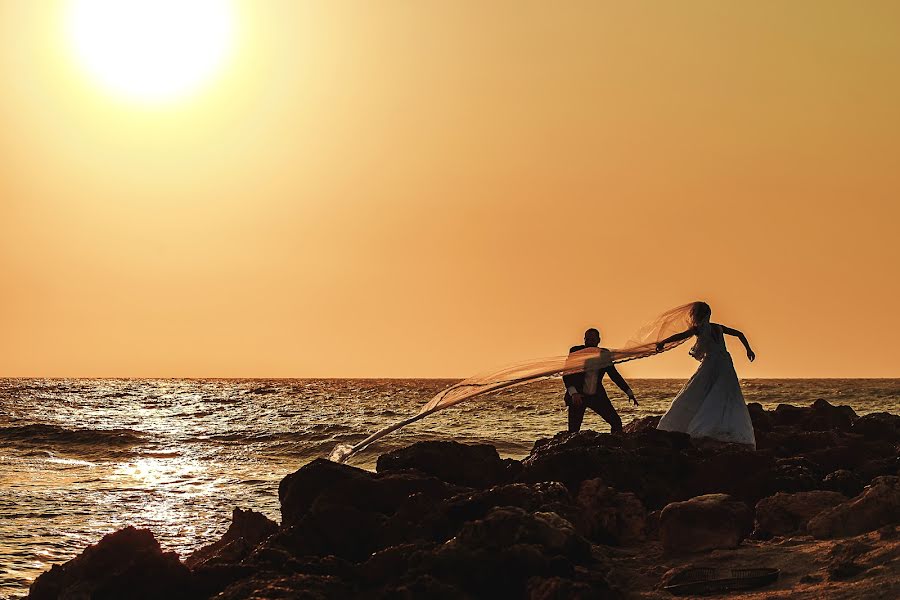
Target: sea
x=80, y=458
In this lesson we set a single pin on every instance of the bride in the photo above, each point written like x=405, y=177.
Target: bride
x=711, y=403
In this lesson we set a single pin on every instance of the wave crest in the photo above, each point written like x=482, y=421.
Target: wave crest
x=41, y=434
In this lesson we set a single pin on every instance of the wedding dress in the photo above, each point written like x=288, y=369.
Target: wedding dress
x=711, y=403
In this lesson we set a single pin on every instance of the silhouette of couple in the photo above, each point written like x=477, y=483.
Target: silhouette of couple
x=709, y=405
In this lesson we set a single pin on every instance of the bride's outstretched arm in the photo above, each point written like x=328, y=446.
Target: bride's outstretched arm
x=676, y=338
x=740, y=335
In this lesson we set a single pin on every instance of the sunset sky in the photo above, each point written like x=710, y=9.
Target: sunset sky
x=393, y=189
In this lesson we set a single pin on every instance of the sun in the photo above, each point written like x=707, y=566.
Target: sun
x=151, y=51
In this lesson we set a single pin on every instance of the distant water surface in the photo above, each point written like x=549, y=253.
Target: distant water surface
x=80, y=458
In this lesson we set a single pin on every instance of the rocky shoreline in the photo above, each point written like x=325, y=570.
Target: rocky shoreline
x=584, y=515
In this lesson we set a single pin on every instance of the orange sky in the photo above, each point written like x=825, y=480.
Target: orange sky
x=432, y=189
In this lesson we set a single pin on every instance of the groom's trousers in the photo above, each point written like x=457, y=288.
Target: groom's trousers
x=600, y=404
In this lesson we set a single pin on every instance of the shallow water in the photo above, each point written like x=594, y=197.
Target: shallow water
x=83, y=457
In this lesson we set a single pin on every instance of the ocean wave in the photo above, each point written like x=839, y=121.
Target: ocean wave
x=38, y=434
x=311, y=433
x=262, y=391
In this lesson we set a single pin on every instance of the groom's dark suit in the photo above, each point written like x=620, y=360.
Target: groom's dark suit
x=596, y=400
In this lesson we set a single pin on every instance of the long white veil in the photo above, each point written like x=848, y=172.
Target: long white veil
x=643, y=343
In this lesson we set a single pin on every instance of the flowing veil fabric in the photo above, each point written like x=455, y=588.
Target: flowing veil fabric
x=642, y=344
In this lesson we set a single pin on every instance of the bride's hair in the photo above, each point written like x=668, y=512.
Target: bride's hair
x=699, y=312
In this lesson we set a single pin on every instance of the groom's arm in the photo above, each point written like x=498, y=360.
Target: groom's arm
x=620, y=381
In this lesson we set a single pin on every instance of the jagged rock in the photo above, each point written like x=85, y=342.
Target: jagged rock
x=878, y=467
x=739, y=473
x=880, y=426
x=470, y=465
x=324, y=482
x=650, y=463
x=785, y=514
x=267, y=585
x=759, y=417
x=393, y=563
x=218, y=565
x=248, y=528
x=496, y=556
x=652, y=528
x=820, y=416
x=558, y=588
x=642, y=424
x=789, y=477
x=704, y=523
x=125, y=564
x=784, y=441
x=849, y=453
x=843, y=560
x=328, y=508
x=843, y=481
x=424, y=586
x=607, y=516
x=445, y=519
x=298, y=491
x=878, y=505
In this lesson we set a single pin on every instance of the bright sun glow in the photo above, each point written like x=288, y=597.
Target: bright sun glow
x=151, y=51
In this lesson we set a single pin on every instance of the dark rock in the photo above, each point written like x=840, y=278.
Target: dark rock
x=844, y=570
x=325, y=483
x=704, y=523
x=606, y=516
x=424, y=586
x=842, y=563
x=788, y=478
x=341, y=530
x=820, y=416
x=786, y=514
x=445, y=519
x=642, y=424
x=393, y=563
x=738, y=473
x=297, y=491
x=270, y=557
x=888, y=532
x=651, y=464
x=878, y=426
x=843, y=481
x=878, y=467
x=759, y=417
x=652, y=530
x=336, y=509
x=248, y=528
x=470, y=465
x=126, y=564
x=848, y=453
x=508, y=526
x=877, y=506
x=790, y=441
x=298, y=585
x=558, y=588
x=497, y=555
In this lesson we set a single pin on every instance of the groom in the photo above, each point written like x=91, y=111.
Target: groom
x=585, y=390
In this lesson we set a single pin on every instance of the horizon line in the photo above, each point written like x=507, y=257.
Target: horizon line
x=391, y=378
